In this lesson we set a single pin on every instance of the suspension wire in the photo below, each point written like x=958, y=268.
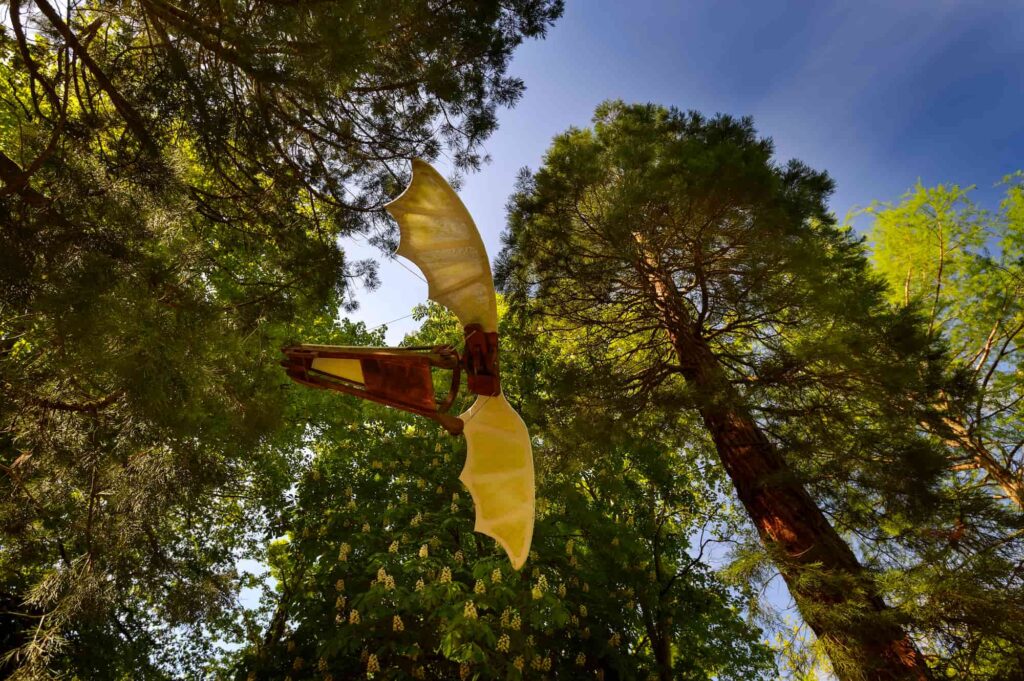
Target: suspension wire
x=487, y=398
x=412, y=271
x=391, y=322
x=394, y=258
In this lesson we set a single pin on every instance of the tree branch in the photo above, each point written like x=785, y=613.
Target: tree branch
x=131, y=117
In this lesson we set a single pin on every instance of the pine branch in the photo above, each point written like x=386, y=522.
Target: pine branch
x=128, y=113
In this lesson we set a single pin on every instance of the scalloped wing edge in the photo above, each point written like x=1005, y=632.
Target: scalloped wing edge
x=439, y=236
x=499, y=475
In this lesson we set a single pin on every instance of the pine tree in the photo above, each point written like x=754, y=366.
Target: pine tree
x=177, y=179
x=705, y=275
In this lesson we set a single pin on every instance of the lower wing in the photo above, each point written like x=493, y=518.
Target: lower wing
x=499, y=474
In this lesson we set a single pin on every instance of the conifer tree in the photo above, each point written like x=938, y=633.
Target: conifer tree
x=962, y=266
x=958, y=578
x=706, y=276
x=176, y=181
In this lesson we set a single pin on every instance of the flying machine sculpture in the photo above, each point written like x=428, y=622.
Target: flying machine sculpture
x=439, y=236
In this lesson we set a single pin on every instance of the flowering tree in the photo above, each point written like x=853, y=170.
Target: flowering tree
x=381, y=572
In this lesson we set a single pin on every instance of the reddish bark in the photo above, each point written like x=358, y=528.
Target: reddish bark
x=868, y=645
x=820, y=569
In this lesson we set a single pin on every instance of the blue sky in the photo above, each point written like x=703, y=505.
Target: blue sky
x=877, y=93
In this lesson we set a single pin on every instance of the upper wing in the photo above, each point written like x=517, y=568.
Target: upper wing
x=499, y=474
x=438, y=235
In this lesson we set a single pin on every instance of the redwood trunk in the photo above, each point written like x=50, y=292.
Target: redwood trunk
x=820, y=569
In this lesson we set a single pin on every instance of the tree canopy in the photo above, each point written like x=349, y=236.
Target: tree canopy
x=961, y=266
x=176, y=178
x=958, y=265
x=723, y=385
x=706, y=277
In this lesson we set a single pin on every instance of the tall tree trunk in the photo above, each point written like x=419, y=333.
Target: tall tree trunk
x=663, y=650
x=836, y=596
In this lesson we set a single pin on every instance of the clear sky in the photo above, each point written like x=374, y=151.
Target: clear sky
x=879, y=94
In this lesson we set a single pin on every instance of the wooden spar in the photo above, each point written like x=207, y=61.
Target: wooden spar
x=400, y=377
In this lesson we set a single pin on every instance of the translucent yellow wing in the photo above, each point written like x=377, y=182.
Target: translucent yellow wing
x=438, y=235
x=499, y=474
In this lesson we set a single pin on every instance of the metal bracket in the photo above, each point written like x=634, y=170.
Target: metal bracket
x=480, y=360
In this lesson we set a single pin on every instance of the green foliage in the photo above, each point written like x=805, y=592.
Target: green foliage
x=704, y=276
x=382, y=572
x=177, y=179
x=926, y=241
x=961, y=266
x=783, y=297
